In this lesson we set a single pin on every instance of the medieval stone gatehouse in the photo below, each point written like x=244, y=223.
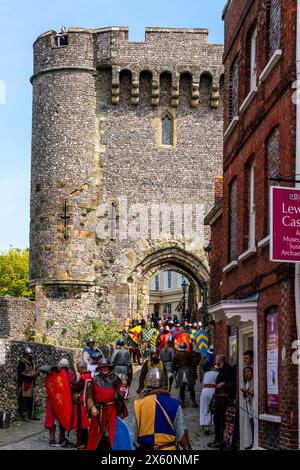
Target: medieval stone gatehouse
x=123, y=132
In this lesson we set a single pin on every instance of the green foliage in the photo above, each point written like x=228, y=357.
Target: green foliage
x=33, y=336
x=49, y=323
x=14, y=273
x=29, y=333
x=103, y=333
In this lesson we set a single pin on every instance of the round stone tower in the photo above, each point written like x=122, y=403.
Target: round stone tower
x=120, y=129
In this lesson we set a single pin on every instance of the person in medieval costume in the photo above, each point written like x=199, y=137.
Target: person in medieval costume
x=167, y=356
x=163, y=338
x=153, y=362
x=80, y=420
x=89, y=351
x=27, y=375
x=93, y=367
x=158, y=422
x=184, y=365
x=145, y=337
x=120, y=361
x=106, y=401
x=207, y=392
x=51, y=419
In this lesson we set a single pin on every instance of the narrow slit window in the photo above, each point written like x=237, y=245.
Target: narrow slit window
x=167, y=130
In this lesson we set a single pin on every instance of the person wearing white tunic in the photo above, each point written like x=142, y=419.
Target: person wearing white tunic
x=208, y=390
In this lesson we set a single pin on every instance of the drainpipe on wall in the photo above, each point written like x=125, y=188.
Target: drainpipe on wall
x=297, y=265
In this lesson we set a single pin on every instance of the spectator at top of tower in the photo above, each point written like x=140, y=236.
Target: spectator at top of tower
x=61, y=38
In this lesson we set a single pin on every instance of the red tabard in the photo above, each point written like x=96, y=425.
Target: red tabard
x=84, y=422
x=109, y=416
x=163, y=341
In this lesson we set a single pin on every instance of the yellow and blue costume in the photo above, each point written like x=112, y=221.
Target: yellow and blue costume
x=155, y=416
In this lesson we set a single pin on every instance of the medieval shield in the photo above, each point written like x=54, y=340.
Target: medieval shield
x=134, y=333
x=59, y=394
x=201, y=338
x=181, y=338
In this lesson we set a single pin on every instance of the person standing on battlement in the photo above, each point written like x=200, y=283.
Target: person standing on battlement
x=62, y=37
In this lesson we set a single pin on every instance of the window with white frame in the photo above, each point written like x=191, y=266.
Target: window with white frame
x=251, y=207
x=273, y=25
x=253, y=67
x=168, y=309
x=234, y=89
x=233, y=221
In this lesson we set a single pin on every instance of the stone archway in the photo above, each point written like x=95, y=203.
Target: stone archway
x=169, y=258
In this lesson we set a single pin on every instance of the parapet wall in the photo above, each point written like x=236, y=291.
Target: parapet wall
x=171, y=50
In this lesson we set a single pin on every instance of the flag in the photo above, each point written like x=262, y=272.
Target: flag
x=181, y=338
x=191, y=334
x=134, y=333
x=153, y=340
x=201, y=339
x=147, y=334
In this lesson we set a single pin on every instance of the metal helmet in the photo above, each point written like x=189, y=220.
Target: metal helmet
x=90, y=340
x=120, y=342
x=155, y=378
x=96, y=357
x=104, y=363
x=182, y=346
x=28, y=350
x=63, y=363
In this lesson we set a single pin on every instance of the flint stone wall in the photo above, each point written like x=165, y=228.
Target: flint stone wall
x=12, y=351
x=15, y=314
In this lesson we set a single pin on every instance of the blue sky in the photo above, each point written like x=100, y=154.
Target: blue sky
x=20, y=24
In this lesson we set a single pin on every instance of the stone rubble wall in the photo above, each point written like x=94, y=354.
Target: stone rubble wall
x=42, y=354
x=15, y=314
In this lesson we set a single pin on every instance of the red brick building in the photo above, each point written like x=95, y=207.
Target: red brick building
x=253, y=299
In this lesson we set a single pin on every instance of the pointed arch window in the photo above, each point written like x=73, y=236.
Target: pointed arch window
x=167, y=130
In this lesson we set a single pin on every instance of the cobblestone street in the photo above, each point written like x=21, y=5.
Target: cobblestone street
x=33, y=436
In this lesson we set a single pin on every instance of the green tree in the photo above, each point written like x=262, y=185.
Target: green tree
x=14, y=273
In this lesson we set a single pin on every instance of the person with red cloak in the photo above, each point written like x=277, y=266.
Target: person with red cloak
x=106, y=401
x=80, y=420
x=163, y=338
x=50, y=417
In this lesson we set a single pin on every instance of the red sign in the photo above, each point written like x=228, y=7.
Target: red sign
x=285, y=225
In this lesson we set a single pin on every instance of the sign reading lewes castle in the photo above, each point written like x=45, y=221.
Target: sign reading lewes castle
x=285, y=225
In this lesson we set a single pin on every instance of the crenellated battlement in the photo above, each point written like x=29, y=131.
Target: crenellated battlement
x=174, y=51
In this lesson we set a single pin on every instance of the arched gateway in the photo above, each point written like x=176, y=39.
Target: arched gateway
x=171, y=258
